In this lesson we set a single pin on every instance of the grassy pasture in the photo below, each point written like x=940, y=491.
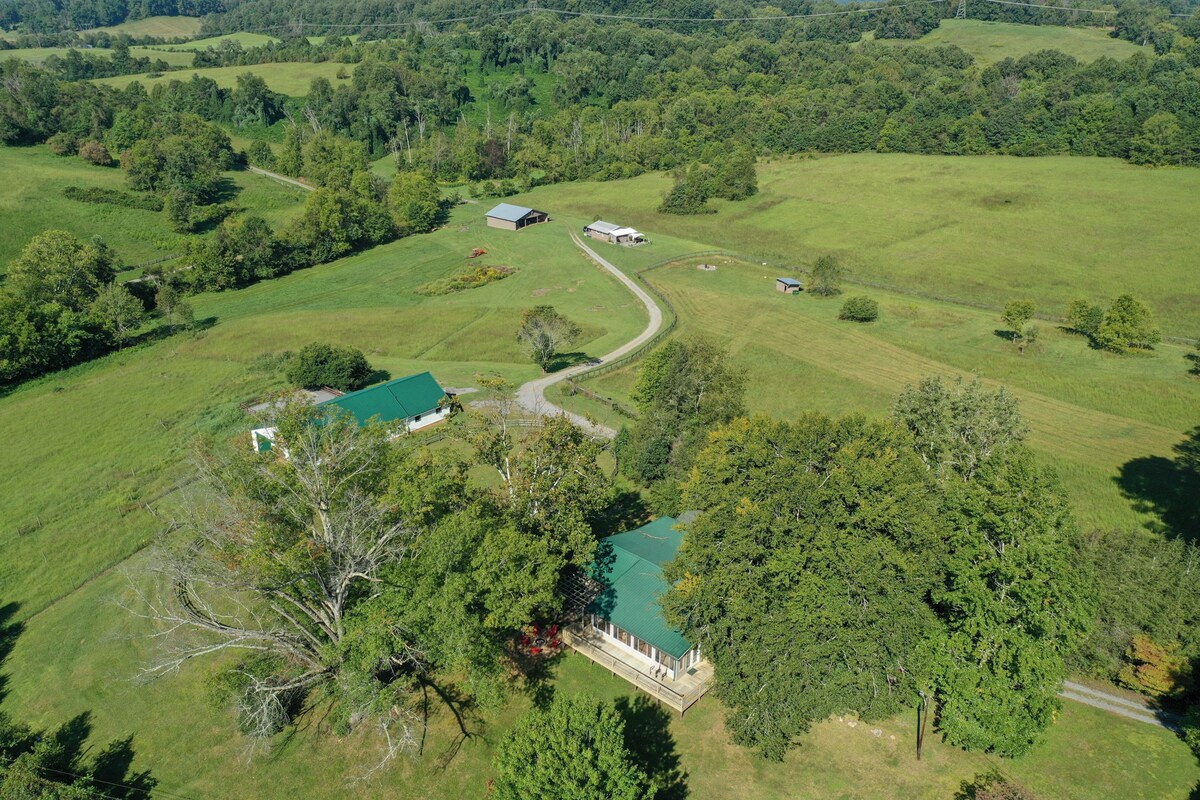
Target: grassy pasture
x=990, y=42
x=90, y=644
x=1090, y=412
x=71, y=509
x=166, y=27
x=31, y=201
x=37, y=55
x=246, y=40
x=983, y=229
x=292, y=79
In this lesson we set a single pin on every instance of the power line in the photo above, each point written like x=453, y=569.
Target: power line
x=139, y=789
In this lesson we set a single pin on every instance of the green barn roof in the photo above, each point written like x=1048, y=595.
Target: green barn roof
x=395, y=400
x=629, y=567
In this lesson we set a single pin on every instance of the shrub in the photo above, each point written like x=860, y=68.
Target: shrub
x=319, y=364
x=61, y=144
x=260, y=155
x=93, y=152
x=859, y=309
x=993, y=786
x=113, y=197
x=480, y=276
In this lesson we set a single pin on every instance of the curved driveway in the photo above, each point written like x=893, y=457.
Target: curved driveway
x=532, y=395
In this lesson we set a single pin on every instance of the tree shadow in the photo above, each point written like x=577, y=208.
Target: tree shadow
x=649, y=741
x=378, y=376
x=1167, y=488
x=111, y=771
x=1008, y=336
x=537, y=674
x=564, y=360
x=626, y=512
x=9, y=631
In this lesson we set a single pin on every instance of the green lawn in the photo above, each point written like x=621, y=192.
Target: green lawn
x=84, y=492
x=165, y=27
x=37, y=55
x=292, y=79
x=246, y=40
x=990, y=42
x=31, y=201
x=985, y=229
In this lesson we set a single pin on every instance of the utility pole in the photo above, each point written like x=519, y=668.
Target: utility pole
x=961, y=13
x=922, y=716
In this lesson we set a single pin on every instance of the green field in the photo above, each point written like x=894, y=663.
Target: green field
x=246, y=40
x=165, y=27
x=90, y=644
x=292, y=79
x=83, y=495
x=985, y=229
x=37, y=55
x=990, y=42
x=31, y=201
x=145, y=405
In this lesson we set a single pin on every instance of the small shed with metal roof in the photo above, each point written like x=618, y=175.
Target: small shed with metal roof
x=788, y=285
x=509, y=217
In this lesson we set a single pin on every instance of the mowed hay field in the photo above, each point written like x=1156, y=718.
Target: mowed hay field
x=1090, y=412
x=292, y=79
x=31, y=201
x=983, y=229
x=990, y=42
x=166, y=27
x=246, y=40
x=96, y=480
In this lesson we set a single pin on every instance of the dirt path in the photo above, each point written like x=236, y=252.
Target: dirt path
x=1115, y=704
x=281, y=178
x=532, y=395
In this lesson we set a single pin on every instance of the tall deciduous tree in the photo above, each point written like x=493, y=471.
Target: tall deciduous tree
x=343, y=567
x=1127, y=324
x=827, y=275
x=1017, y=314
x=804, y=579
x=543, y=332
x=684, y=388
x=960, y=426
x=1015, y=603
x=575, y=748
x=319, y=364
x=414, y=201
x=118, y=312
x=57, y=267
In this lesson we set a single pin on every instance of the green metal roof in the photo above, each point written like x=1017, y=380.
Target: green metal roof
x=629, y=566
x=395, y=400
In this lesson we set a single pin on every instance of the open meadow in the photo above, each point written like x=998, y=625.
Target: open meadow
x=31, y=201
x=145, y=405
x=292, y=79
x=989, y=42
x=246, y=40
x=979, y=229
x=164, y=27
x=37, y=55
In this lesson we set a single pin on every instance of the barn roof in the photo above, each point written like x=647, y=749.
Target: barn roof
x=510, y=213
x=628, y=567
x=600, y=226
x=395, y=400
x=626, y=232
x=788, y=281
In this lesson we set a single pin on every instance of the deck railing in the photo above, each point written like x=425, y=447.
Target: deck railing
x=680, y=701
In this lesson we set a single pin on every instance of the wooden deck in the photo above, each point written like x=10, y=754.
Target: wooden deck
x=680, y=694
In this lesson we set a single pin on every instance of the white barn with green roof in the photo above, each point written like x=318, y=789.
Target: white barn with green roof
x=619, y=619
x=409, y=403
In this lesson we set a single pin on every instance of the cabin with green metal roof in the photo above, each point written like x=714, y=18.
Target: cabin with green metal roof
x=409, y=403
x=620, y=621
